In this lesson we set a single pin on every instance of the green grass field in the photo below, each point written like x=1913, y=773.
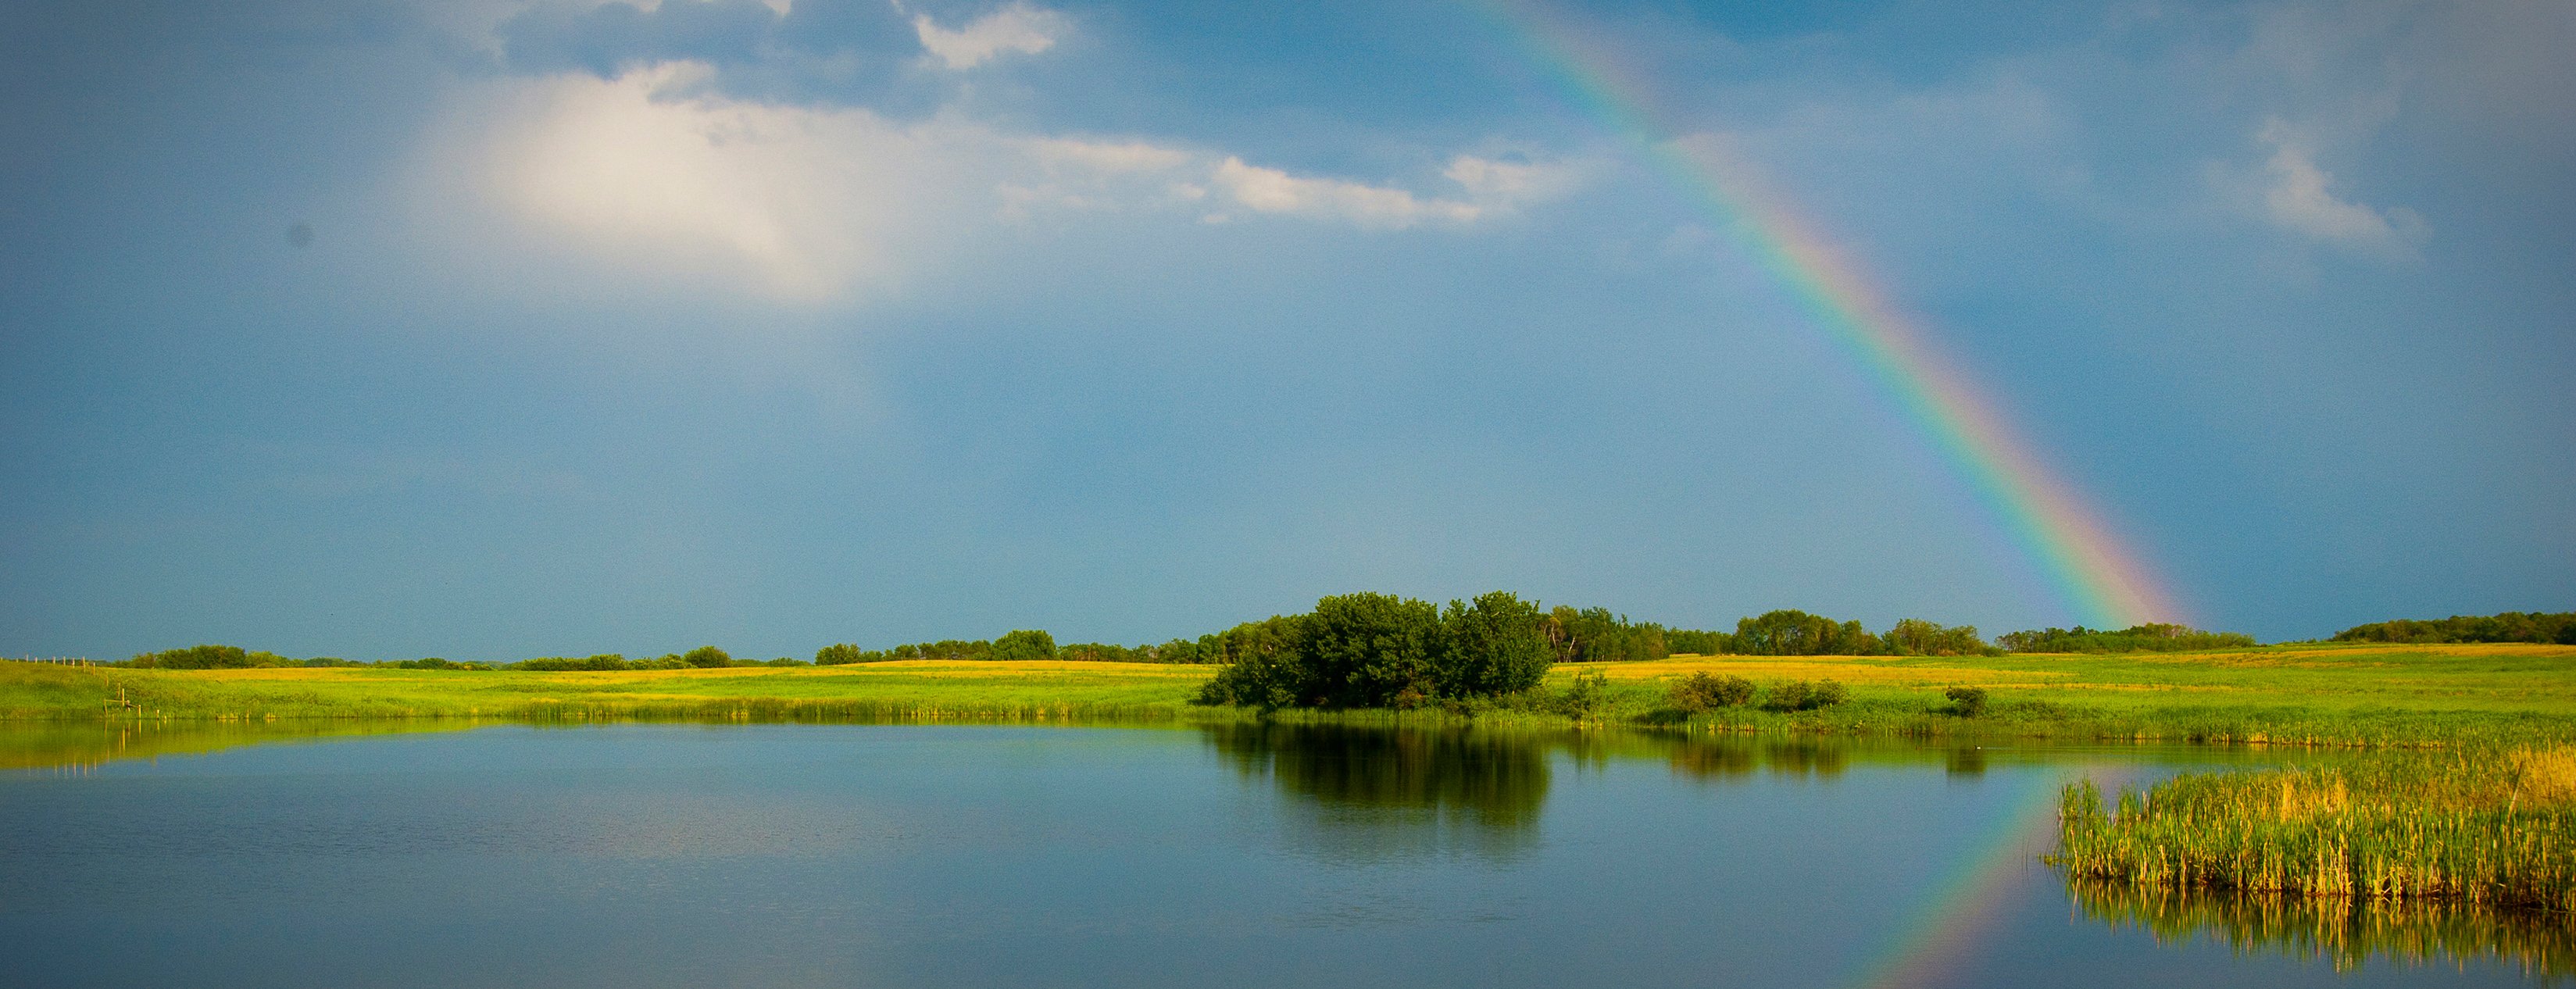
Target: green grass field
x=2324, y=695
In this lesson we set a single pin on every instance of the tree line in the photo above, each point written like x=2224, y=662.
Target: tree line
x=2511, y=626
x=2151, y=637
x=1429, y=665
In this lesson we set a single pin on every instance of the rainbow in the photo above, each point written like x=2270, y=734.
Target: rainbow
x=1947, y=925
x=2092, y=572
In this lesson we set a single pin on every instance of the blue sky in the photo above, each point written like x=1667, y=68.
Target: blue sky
x=633, y=327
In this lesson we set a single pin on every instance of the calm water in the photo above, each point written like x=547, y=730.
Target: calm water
x=647, y=855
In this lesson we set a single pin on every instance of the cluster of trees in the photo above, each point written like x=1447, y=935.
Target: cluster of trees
x=1790, y=632
x=208, y=657
x=1019, y=644
x=2151, y=637
x=1380, y=650
x=1594, y=635
x=2511, y=626
x=1586, y=635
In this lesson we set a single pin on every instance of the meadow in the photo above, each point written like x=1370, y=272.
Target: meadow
x=2323, y=695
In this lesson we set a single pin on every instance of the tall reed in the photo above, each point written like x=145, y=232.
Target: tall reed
x=2487, y=827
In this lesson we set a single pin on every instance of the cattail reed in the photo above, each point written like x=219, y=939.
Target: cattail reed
x=2495, y=829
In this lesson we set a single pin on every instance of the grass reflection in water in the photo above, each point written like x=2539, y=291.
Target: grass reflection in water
x=2347, y=931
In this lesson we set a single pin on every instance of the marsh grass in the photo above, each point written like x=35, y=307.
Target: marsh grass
x=2345, y=931
x=2495, y=828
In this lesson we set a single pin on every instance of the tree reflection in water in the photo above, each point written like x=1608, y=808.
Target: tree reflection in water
x=1382, y=792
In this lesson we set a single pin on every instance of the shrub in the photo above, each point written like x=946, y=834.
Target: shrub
x=1703, y=692
x=1966, y=702
x=1585, y=694
x=1799, y=695
x=603, y=661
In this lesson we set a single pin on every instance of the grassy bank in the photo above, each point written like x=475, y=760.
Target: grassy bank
x=2493, y=828
x=2443, y=695
x=928, y=690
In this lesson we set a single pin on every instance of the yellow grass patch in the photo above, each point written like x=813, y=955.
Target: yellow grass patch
x=1886, y=670
x=992, y=668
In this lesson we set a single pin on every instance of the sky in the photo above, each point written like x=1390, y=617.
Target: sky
x=500, y=329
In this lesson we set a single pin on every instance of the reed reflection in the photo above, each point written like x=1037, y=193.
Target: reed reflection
x=77, y=747
x=2346, y=931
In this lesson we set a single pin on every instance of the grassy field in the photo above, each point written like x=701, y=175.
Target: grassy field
x=2326, y=695
x=928, y=690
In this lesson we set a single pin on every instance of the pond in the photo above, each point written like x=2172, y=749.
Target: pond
x=1234, y=855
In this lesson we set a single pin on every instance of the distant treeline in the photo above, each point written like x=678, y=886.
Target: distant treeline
x=216, y=657
x=2151, y=637
x=1568, y=635
x=1573, y=635
x=2512, y=626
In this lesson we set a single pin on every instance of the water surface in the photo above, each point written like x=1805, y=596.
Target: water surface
x=1237, y=855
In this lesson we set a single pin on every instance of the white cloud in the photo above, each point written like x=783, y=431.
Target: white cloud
x=656, y=175
x=1502, y=183
x=1269, y=190
x=801, y=203
x=2298, y=196
x=1492, y=187
x=1017, y=28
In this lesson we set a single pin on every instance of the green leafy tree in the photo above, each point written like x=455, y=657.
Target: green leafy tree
x=1367, y=650
x=1916, y=637
x=1696, y=642
x=1789, y=632
x=1492, y=646
x=705, y=657
x=1023, y=644
x=1263, y=668
x=839, y=654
